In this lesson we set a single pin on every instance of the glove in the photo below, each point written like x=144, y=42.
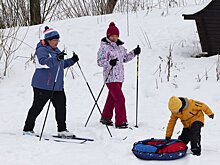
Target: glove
x=113, y=62
x=211, y=116
x=60, y=56
x=137, y=50
x=75, y=57
x=167, y=139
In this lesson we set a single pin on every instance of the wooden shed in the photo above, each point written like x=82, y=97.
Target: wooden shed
x=208, y=25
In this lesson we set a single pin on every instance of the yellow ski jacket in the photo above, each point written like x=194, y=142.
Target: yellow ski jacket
x=191, y=113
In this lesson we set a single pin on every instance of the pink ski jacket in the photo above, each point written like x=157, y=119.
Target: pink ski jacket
x=110, y=50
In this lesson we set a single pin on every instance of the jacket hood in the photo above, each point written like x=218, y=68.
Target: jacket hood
x=40, y=44
x=185, y=103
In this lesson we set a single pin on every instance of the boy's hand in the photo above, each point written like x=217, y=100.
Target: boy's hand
x=167, y=139
x=211, y=116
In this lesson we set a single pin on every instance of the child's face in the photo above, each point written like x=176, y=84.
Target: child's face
x=114, y=38
x=53, y=43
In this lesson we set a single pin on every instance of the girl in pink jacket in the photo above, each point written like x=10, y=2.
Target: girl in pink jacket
x=111, y=56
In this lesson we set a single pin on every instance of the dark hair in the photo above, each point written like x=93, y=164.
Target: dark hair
x=46, y=42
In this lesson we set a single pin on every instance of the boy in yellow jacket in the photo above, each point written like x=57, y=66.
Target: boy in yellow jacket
x=190, y=112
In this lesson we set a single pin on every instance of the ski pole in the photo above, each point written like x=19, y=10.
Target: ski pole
x=96, y=101
x=92, y=95
x=137, y=91
x=50, y=102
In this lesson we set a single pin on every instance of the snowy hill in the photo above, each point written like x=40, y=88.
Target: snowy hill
x=83, y=36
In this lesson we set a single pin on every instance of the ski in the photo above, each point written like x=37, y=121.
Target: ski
x=67, y=139
x=61, y=140
x=73, y=138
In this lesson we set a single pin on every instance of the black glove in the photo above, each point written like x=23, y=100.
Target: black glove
x=167, y=139
x=113, y=62
x=60, y=56
x=211, y=116
x=75, y=57
x=137, y=50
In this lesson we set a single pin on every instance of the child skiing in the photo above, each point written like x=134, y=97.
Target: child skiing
x=111, y=56
x=191, y=115
x=50, y=65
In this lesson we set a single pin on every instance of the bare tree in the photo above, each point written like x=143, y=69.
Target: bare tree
x=79, y=8
x=49, y=9
x=169, y=63
x=9, y=45
x=26, y=12
x=14, y=13
x=35, y=15
x=110, y=6
x=74, y=8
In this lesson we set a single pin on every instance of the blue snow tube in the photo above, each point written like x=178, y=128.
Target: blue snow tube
x=159, y=149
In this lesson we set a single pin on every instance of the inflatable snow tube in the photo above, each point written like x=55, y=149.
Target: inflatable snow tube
x=159, y=149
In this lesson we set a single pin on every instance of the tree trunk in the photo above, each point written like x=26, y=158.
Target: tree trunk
x=110, y=6
x=35, y=14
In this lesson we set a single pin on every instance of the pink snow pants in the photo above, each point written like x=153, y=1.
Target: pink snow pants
x=115, y=100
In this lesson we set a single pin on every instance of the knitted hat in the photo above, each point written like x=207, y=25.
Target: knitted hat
x=50, y=33
x=112, y=30
x=174, y=104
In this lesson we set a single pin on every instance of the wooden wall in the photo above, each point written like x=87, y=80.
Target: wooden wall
x=208, y=25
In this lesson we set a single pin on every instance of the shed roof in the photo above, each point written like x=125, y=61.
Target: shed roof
x=190, y=14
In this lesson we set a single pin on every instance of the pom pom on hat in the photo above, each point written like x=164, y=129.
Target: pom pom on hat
x=46, y=28
x=111, y=24
x=174, y=104
x=50, y=33
x=112, y=30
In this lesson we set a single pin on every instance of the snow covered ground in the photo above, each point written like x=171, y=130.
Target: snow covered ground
x=83, y=35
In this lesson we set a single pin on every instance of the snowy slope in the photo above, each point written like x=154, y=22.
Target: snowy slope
x=83, y=36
